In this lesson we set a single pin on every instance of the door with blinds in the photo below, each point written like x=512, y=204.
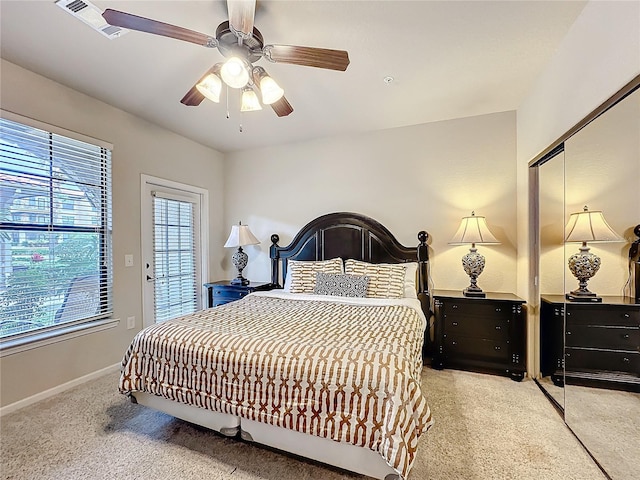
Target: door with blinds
x=172, y=253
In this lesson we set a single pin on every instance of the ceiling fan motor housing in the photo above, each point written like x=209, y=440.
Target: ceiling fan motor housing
x=228, y=45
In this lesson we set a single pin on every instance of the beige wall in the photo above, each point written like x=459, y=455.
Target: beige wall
x=599, y=55
x=411, y=178
x=139, y=147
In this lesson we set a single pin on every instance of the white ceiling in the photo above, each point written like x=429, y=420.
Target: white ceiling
x=449, y=59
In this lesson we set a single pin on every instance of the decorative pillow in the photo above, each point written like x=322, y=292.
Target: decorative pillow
x=341, y=285
x=303, y=273
x=385, y=280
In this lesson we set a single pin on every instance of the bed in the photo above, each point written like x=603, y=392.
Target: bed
x=326, y=365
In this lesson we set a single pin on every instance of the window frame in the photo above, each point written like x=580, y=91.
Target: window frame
x=63, y=331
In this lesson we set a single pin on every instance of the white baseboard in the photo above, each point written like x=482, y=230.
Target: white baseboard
x=55, y=390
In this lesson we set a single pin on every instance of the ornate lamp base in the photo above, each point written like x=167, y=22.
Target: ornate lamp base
x=473, y=264
x=240, y=259
x=583, y=266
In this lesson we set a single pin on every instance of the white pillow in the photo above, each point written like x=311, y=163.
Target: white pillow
x=411, y=280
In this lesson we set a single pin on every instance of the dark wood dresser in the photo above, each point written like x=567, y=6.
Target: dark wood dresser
x=480, y=334
x=219, y=293
x=602, y=342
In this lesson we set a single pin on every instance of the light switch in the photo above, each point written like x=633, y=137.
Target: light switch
x=128, y=260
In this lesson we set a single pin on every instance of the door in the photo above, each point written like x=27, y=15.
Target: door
x=173, y=258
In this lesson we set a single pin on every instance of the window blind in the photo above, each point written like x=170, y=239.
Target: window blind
x=55, y=230
x=174, y=257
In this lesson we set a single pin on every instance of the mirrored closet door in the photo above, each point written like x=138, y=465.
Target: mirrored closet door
x=602, y=351
x=589, y=323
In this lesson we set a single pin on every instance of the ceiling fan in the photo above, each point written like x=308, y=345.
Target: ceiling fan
x=242, y=44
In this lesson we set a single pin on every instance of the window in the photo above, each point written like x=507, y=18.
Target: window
x=55, y=232
x=174, y=257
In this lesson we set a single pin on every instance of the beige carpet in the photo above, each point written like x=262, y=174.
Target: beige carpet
x=608, y=423
x=487, y=427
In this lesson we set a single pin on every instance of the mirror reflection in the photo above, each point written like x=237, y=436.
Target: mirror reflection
x=602, y=336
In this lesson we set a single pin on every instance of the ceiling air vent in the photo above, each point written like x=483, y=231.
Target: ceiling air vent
x=92, y=16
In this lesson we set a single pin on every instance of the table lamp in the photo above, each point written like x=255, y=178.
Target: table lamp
x=239, y=237
x=583, y=227
x=473, y=230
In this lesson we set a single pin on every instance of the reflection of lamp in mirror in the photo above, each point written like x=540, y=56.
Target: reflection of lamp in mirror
x=583, y=227
x=473, y=230
x=239, y=237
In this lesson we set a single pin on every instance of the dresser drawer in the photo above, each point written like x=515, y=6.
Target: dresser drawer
x=605, y=337
x=476, y=348
x=593, y=314
x=229, y=294
x=479, y=309
x=583, y=359
x=496, y=328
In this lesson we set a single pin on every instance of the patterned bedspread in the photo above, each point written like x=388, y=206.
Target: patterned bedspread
x=340, y=370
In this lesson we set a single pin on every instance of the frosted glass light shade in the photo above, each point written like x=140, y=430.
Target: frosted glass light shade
x=210, y=87
x=240, y=236
x=250, y=102
x=234, y=73
x=271, y=91
x=589, y=226
x=473, y=229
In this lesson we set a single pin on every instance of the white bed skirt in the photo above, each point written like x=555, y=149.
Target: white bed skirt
x=342, y=455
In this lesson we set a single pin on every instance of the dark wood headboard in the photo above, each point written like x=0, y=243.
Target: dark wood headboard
x=351, y=236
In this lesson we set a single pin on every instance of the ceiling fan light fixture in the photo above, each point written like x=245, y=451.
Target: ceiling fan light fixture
x=271, y=91
x=210, y=87
x=234, y=72
x=250, y=102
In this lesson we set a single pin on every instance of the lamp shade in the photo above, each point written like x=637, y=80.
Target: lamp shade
x=473, y=229
x=240, y=236
x=250, y=102
x=271, y=91
x=210, y=87
x=234, y=73
x=589, y=226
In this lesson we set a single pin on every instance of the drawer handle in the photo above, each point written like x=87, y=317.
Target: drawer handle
x=454, y=306
x=455, y=324
x=498, y=327
x=498, y=309
x=497, y=347
x=625, y=336
x=568, y=332
x=454, y=343
x=625, y=360
x=626, y=315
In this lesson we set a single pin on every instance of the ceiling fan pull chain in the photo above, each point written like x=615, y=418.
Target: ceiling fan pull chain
x=227, y=98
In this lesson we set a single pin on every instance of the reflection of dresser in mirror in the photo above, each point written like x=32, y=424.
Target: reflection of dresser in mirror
x=602, y=342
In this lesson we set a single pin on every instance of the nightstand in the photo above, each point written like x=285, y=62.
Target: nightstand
x=480, y=334
x=223, y=291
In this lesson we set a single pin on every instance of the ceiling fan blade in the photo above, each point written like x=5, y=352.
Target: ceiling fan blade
x=241, y=15
x=142, y=24
x=282, y=107
x=308, y=56
x=193, y=97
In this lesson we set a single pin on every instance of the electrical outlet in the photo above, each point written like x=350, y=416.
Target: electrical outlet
x=131, y=323
x=128, y=260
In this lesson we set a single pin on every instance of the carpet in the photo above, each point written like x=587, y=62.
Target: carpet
x=487, y=428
